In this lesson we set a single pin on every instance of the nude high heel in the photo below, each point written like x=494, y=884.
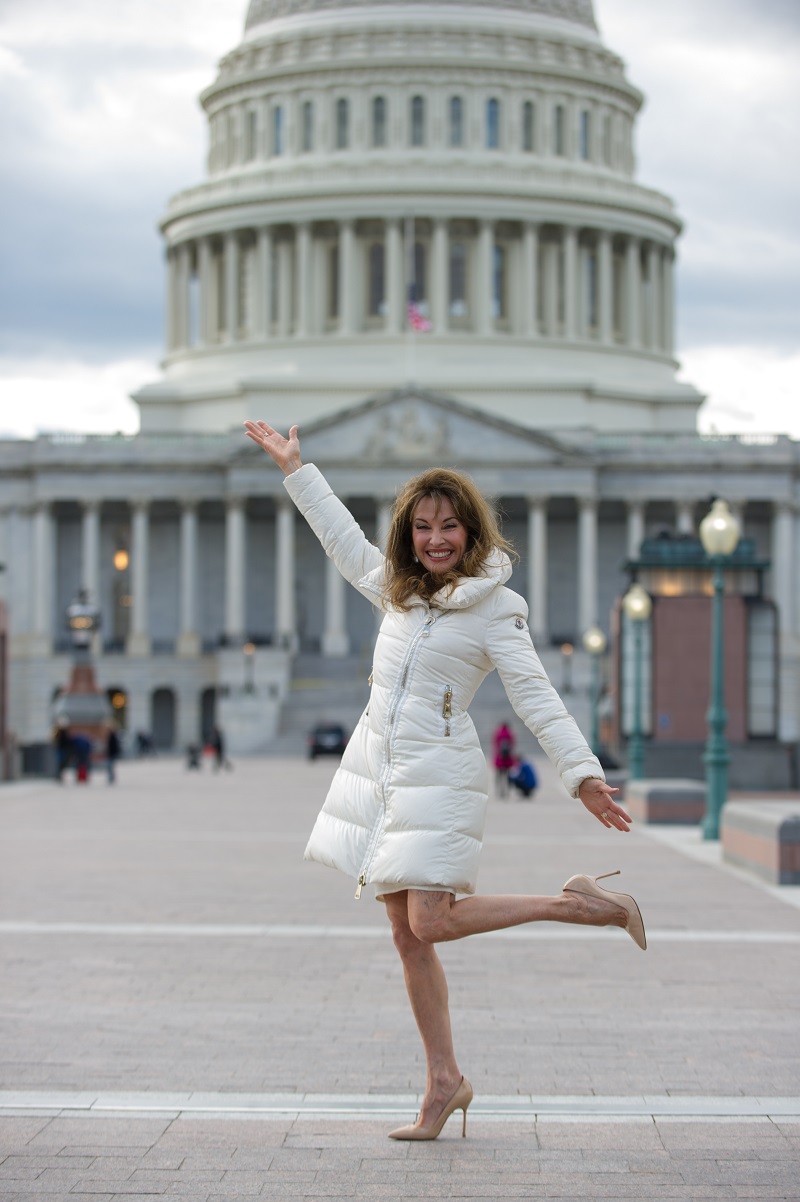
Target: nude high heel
x=588, y=885
x=459, y=1101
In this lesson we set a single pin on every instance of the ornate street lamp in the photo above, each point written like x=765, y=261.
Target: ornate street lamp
x=594, y=644
x=719, y=534
x=638, y=607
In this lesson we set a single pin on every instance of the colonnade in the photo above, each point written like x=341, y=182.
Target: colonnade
x=40, y=594
x=483, y=275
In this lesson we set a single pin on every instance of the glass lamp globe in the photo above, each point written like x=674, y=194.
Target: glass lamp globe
x=637, y=604
x=594, y=641
x=719, y=530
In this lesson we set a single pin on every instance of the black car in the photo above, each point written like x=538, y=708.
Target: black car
x=326, y=739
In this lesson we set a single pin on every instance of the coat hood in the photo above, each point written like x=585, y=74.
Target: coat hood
x=468, y=591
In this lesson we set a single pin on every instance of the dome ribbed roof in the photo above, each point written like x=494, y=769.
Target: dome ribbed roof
x=580, y=12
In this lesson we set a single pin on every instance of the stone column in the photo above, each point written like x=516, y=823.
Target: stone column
x=570, y=282
x=171, y=332
x=347, y=248
x=139, y=636
x=264, y=283
x=653, y=297
x=684, y=517
x=44, y=552
x=551, y=287
x=285, y=616
x=205, y=305
x=636, y=529
x=231, y=286
x=605, y=289
x=587, y=563
x=394, y=277
x=439, y=276
x=235, y=566
x=537, y=568
x=633, y=293
x=90, y=549
x=530, y=288
x=283, y=256
x=335, y=643
x=182, y=296
x=485, y=281
x=667, y=302
x=383, y=520
x=188, y=645
x=303, y=277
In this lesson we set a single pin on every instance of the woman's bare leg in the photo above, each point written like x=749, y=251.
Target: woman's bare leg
x=427, y=992
x=439, y=918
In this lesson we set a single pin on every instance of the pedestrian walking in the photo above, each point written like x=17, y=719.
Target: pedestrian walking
x=217, y=744
x=62, y=742
x=405, y=811
x=503, y=747
x=113, y=752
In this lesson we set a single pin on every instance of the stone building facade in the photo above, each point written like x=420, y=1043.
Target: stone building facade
x=420, y=237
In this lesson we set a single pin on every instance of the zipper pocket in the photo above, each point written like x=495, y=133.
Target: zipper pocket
x=447, y=708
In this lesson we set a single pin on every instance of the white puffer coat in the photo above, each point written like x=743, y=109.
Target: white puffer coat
x=407, y=806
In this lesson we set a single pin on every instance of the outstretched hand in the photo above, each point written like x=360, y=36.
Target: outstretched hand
x=598, y=797
x=284, y=451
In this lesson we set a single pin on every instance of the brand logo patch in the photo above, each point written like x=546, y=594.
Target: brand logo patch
x=518, y=622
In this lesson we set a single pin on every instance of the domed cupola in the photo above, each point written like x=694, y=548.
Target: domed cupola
x=434, y=192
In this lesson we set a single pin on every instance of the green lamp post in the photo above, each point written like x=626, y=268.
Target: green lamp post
x=719, y=534
x=594, y=644
x=638, y=607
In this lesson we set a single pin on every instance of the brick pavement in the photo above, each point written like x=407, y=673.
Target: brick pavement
x=164, y=950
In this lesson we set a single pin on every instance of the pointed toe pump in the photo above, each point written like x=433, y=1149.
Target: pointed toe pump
x=459, y=1101
x=589, y=886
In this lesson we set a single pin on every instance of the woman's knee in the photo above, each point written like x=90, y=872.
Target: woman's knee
x=429, y=916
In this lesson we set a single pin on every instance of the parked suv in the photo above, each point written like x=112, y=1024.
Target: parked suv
x=326, y=739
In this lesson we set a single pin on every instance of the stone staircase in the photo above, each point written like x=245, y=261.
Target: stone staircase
x=336, y=690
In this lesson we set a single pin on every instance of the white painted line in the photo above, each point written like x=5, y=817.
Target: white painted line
x=227, y=930
x=363, y=1107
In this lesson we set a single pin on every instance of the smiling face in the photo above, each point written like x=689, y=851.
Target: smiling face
x=439, y=538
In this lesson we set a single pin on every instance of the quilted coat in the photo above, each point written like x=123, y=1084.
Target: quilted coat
x=407, y=806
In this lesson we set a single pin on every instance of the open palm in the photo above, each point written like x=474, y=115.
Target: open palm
x=284, y=451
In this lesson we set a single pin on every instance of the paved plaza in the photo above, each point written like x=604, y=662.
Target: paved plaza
x=186, y=1008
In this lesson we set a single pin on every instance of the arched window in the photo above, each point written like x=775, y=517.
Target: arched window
x=308, y=125
x=277, y=129
x=419, y=285
x=379, y=121
x=417, y=121
x=162, y=717
x=493, y=124
x=590, y=296
x=527, y=126
x=585, y=135
x=333, y=282
x=456, y=121
x=377, y=280
x=342, y=124
x=458, y=280
x=607, y=142
x=230, y=140
x=558, y=130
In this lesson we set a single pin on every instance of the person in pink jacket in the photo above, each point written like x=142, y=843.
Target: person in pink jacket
x=406, y=808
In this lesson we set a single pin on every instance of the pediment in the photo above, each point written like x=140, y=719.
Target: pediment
x=418, y=429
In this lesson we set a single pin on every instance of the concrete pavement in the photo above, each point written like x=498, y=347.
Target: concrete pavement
x=187, y=1008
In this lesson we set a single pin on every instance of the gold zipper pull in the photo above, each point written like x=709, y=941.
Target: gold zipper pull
x=369, y=682
x=362, y=880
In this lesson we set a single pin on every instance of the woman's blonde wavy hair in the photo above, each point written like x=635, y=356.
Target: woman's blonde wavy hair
x=405, y=576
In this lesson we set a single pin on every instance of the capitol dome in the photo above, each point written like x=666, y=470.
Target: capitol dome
x=430, y=195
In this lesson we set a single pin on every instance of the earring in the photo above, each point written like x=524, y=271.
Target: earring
x=415, y=557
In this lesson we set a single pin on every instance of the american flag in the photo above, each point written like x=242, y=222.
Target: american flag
x=416, y=320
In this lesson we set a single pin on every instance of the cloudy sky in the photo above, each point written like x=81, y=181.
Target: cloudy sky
x=100, y=124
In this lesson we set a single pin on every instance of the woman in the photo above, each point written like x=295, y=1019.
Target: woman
x=406, y=809
x=503, y=746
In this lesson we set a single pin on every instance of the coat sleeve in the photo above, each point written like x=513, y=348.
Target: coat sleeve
x=334, y=525
x=535, y=701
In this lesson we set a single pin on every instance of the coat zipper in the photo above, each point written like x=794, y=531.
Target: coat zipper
x=447, y=708
x=394, y=706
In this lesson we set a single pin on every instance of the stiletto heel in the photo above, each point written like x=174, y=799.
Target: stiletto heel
x=459, y=1101
x=588, y=886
